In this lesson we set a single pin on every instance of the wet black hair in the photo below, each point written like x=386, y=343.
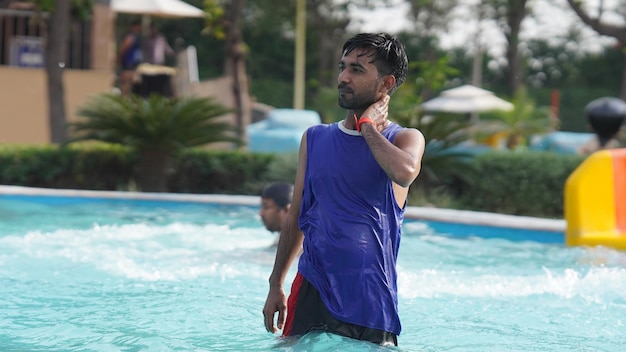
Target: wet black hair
x=279, y=192
x=388, y=54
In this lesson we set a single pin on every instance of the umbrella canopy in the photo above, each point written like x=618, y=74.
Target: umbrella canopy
x=467, y=99
x=160, y=8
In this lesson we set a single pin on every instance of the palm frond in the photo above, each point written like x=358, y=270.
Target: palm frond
x=158, y=122
x=522, y=122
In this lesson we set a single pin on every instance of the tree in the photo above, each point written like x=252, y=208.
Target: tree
x=509, y=14
x=58, y=26
x=157, y=128
x=615, y=31
x=225, y=22
x=430, y=17
x=330, y=20
x=56, y=48
x=235, y=63
x=271, y=64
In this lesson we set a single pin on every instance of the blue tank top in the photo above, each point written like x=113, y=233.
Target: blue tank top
x=351, y=224
x=132, y=56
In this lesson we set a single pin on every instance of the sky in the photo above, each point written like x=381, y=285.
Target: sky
x=551, y=20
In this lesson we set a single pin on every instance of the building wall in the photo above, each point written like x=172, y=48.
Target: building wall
x=24, y=100
x=23, y=91
x=221, y=89
x=103, y=47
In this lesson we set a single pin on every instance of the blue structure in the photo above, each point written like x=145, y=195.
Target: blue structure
x=281, y=131
x=560, y=142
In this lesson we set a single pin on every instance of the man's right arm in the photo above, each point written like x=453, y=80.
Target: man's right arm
x=289, y=244
x=127, y=42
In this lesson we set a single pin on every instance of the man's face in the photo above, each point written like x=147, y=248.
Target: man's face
x=358, y=82
x=272, y=215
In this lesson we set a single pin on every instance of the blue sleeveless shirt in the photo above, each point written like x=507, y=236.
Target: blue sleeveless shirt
x=351, y=224
x=132, y=57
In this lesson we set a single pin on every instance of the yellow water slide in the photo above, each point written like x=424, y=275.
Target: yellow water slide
x=595, y=201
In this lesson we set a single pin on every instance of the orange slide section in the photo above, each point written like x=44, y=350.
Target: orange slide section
x=595, y=201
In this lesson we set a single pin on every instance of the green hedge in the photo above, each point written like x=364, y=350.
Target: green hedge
x=520, y=183
x=80, y=166
x=109, y=167
x=226, y=172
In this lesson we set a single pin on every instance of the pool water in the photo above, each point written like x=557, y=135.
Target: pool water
x=79, y=274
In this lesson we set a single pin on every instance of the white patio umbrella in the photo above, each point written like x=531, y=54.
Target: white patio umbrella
x=159, y=8
x=467, y=99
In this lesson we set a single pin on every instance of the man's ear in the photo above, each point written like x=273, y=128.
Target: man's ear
x=388, y=82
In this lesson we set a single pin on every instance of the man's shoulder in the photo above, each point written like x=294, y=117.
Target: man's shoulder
x=405, y=134
x=412, y=132
x=318, y=131
x=393, y=128
x=399, y=128
x=322, y=127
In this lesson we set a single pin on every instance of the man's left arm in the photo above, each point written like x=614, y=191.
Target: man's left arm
x=401, y=159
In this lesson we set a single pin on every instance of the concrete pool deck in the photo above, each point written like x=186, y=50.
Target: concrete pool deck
x=417, y=213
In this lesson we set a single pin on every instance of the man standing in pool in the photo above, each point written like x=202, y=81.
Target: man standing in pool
x=350, y=193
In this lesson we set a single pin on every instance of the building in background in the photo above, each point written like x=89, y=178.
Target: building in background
x=89, y=69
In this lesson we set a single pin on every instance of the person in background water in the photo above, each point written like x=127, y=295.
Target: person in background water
x=350, y=195
x=129, y=57
x=275, y=203
x=156, y=47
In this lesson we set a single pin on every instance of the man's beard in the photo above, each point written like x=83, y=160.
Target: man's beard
x=349, y=100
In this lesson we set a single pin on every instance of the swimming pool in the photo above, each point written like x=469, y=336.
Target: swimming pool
x=108, y=274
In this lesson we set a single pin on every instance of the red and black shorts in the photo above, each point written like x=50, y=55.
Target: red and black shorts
x=306, y=312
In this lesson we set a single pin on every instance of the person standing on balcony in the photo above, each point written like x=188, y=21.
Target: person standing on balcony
x=129, y=57
x=156, y=47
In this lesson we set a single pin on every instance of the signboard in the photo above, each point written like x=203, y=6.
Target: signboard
x=27, y=51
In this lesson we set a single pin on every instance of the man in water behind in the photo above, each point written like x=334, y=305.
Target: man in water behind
x=275, y=203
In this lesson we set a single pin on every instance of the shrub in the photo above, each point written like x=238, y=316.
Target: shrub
x=80, y=166
x=156, y=128
x=202, y=171
x=520, y=183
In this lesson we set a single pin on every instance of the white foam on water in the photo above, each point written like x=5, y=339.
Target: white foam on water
x=594, y=284
x=176, y=251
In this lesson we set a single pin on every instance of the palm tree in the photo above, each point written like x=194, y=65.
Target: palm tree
x=447, y=159
x=518, y=124
x=157, y=128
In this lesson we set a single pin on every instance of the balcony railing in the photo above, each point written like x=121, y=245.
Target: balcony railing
x=23, y=36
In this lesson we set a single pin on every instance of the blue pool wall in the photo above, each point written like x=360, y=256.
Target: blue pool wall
x=452, y=222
